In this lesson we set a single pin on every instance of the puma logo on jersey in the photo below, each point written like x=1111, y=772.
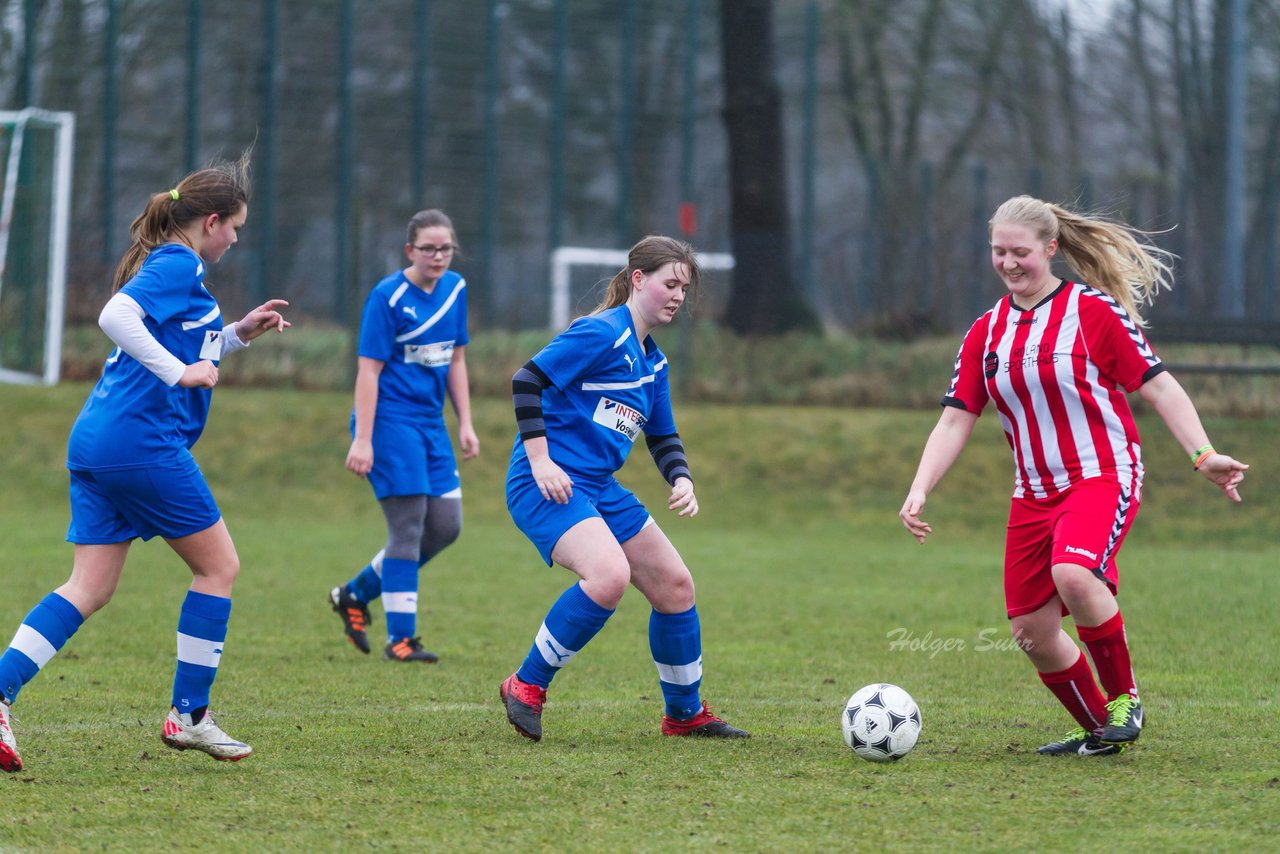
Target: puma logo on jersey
x=631, y=362
x=412, y=311
x=620, y=417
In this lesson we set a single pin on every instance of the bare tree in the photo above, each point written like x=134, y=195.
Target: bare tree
x=1197, y=38
x=921, y=80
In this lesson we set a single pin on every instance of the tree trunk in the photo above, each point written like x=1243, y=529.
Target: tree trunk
x=765, y=299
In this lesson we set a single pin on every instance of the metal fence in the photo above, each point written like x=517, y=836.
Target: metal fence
x=534, y=123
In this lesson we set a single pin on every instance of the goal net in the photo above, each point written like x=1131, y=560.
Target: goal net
x=35, y=206
x=579, y=275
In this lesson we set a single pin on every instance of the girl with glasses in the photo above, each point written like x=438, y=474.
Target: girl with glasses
x=412, y=355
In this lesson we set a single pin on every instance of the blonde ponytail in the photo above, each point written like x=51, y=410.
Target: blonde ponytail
x=1111, y=256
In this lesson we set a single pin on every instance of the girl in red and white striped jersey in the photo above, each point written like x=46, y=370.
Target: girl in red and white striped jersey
x=1056, y=358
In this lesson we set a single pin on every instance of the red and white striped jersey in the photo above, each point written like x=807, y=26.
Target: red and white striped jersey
x=1058, y=374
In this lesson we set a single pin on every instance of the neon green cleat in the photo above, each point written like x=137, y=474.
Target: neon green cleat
x=1124, y=720
x=1079, y=743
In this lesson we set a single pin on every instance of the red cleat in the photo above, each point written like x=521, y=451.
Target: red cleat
x=524, y=706
x=704, y=724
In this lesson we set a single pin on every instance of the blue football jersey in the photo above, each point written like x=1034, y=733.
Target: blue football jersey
x=131, y=417
x=414, y=334
x=608, y=388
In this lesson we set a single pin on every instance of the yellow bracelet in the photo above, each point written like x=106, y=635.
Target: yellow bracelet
x=1204, y=454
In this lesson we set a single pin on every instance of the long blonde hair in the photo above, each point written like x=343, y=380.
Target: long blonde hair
x=1111, y=256
x=646, y=256
x=221, y=188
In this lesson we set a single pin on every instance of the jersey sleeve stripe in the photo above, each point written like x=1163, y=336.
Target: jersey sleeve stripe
x=617, y=386
x=399, y=292
x=1135, y=334
x=213, y=314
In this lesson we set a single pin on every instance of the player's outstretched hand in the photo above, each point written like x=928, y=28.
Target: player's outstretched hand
x=910, y=516
x=360, y=457
x=264, y=317
x=682, y=498
x=552, y=482
x=1226, y=473
x=202, y=374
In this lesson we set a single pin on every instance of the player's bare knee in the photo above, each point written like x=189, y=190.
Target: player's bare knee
x=677, y=594
x=1029, y=633
x=223, y=573
x=606, y=582
x=87, y=598
x=1025, y=642
x=1074, y=583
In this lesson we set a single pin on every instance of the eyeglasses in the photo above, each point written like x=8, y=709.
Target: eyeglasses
x=432, y=251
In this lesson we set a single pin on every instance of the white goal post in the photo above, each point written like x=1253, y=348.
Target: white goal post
x=565, y=258
x=36, y=159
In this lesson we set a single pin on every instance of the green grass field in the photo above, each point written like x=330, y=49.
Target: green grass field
x=804, y=579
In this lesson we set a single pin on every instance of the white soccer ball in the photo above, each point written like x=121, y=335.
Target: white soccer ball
x=881, y=722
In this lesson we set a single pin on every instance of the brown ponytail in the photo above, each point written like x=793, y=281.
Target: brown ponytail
x=646, y=256
x=221, y=188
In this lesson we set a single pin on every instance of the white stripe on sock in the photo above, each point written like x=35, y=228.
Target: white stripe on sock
x=201, y=651
x=553, y=652
x=33, y=645
x=680, y=674
x=400, y=603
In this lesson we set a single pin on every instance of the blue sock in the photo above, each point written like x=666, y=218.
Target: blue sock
x=400, y=597
x=367, y=585
x=573, y=620
x=202, y=628
x=49, y=625
x=676, y=643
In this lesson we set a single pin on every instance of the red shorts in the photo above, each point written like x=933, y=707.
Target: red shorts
x=1085, y=525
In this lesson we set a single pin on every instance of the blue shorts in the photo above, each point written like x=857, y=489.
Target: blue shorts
x=412, y=458
x=169, y=500
x=544, y=522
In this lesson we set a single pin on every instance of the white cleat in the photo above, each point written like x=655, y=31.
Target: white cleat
x=181, y=734
x=9, y=758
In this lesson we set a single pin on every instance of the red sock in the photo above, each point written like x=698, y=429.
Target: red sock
x=1110, y=652
x=1078, y=692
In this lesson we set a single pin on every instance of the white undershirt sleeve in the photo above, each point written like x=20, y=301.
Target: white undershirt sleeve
x=231, y=341
x=121, y=319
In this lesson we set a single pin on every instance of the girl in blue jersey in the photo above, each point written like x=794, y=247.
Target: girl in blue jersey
x=580, y=404
x=132, y=473
x=413, y=340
